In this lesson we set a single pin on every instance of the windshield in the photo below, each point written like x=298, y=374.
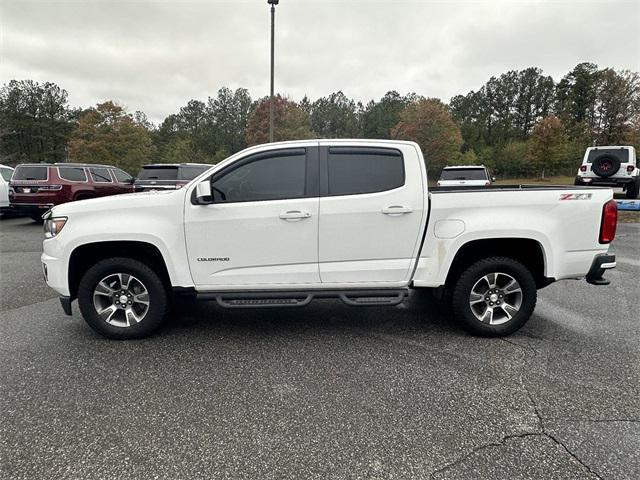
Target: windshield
x=30, y=173
x=158, y=173
x=463, y=174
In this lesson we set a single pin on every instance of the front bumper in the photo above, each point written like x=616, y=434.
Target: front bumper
x=602, y=262
x=31, y=208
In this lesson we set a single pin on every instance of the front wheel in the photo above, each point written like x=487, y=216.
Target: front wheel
x=494, y=297
x=122, y=298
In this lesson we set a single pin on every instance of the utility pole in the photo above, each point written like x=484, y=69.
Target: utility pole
x=273, y=4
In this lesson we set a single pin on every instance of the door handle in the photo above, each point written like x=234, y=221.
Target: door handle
x=294, y=215
x=396, y=210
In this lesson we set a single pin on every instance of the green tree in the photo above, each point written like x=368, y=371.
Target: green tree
x=378, y=118
x=290, y=121
x=227, y=118
x=108, y=134
x=429, y=123
x=335, y=116
x=35, y=122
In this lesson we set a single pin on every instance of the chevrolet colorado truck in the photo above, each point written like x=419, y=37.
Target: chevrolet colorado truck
x=281, y=224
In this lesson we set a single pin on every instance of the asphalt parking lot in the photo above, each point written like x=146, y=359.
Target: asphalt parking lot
x=327, y=391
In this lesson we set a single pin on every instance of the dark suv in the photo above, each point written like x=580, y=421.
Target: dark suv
x=36, y=187
x=168, y=176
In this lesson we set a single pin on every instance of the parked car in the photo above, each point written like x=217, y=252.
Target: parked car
x=465, y=176
x=614, y=166
x=168, y=176
x=36, y=187
x=284, y=223
x=5, y=178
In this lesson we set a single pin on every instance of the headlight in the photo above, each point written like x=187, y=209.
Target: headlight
x=53, y=226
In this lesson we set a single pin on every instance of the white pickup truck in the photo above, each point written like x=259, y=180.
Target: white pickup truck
x=278, y=225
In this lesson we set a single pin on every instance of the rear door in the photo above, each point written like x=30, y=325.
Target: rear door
x=262, y=229
x=102, y=182
x=372, y=210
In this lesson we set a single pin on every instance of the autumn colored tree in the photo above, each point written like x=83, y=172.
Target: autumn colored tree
x=108, y=134
x=378, y=118
x=290, y=121
x=429, y=123
x=549, y=148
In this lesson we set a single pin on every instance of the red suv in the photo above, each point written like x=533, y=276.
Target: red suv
x=36, y=187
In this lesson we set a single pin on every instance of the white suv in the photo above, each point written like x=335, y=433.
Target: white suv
x=614, y=166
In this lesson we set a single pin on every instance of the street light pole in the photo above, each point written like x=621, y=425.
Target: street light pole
x=273, y=4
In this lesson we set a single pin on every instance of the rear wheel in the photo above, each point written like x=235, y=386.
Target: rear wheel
x=36, y=217
x=494, y=297
x=122, y=298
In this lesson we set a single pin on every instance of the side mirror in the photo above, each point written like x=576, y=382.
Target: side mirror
x=132, y=180
x=203, y=193
x=493, y=179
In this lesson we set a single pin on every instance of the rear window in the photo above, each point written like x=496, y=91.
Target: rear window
x=30, y=173
x=354, y=171
x=464, y=174
x=100, y=175
x=622, y=154
x=158, y=173
x=73, y=174
x=191, y=172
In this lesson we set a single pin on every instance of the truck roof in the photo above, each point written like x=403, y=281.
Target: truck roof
x=463, y=166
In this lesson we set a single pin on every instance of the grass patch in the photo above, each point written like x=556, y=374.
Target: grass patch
x=557, y=180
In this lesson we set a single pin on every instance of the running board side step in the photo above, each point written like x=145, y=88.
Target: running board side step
x=269, y=299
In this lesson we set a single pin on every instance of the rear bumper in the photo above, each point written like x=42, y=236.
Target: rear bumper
x=605, y=182
x=600, y=263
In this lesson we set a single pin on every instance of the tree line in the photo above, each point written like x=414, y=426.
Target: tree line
x=521, y=123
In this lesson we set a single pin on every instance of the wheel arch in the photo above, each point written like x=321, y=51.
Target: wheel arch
x=528, y=251
x=86, y=255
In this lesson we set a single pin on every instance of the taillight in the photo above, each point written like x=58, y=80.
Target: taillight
x=583, y=168
x=630, y=168
x=487, y=183
x=609, y=222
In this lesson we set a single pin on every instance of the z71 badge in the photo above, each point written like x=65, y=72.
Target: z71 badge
x=575, y=196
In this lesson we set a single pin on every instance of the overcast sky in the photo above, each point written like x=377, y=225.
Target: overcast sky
x=156, y=55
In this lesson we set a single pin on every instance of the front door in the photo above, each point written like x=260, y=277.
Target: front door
x=261, y=231
x=372, y=210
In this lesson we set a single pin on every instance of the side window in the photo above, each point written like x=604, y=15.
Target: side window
x=354, y=171
x=100, y=175
x=121, y=176
x=274, y=176
x=6, y=173
x=72, y=174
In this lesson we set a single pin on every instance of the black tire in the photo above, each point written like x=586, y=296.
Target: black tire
x=473, y=275
x=633, y=189
x=577, y=182
x=158, y=306
x=605, y=166
x=37, y=218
